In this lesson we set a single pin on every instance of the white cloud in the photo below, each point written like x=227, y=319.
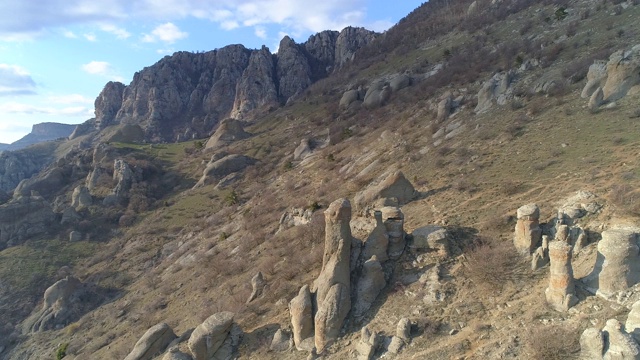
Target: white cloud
x=168, y=33
x=120, y=33
x=103, y=69
x=69, y=34
x=261, y=32
x=229, y=25
x=15, y=80
x=69, y=99
x=21, y=108
x=90, y=37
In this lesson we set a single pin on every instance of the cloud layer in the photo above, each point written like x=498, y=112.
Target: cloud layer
x=15, y=80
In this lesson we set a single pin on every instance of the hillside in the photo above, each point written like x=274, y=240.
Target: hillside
x=373, y=210
x=40, y=133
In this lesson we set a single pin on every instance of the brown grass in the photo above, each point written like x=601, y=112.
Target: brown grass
x=493, y=264
x=553, y=342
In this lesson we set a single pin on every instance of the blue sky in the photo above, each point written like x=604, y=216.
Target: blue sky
x=56, y=55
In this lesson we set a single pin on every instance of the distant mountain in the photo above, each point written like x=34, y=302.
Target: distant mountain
x=39, y=133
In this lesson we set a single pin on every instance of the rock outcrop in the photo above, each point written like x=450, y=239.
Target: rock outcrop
x=40, y=133
x=23, y=218
x=368, y=344
x=623, y=72
x=59, y=307
x=377, y=242
x=257, y=286
x=16, y=166
x=108, y=103
x=228, y=131
x=152, y=343
x=208, y=338
x=560, y=294
x=350, y=40
x=392, y=189
x=81, y=197
x=432, y=238
x=497, y=89
x=528, y=233
x=369, y=285
x=333, y=285
x=377, y=95
x=617, y=266
x=281, y=341
x=596, y=77
x=256, y=89
x=613, y=342
x=393, y=220
x=596, y=99
x=218, y=168
x=301, y=311
x=292, y=69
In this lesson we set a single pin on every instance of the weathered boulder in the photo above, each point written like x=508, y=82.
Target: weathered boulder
x=393, y=219
x=333, y=285
x=399, y=82
x=617, y=264
x=498, y=89
x=217, y=169
x=152, y=343
x=369, y=285
x=377, y=95
x=540, y=257
x=592, y=344
x=444, y=109
x=367, y=345
x=528, y=232
x=44, y=183
x=348, y=98
x=281, y=341
x=596, y=99
x=392, y=188
x=431, y=237
x=596, y=78
x=176, y=354
x=257, y=286
x=295, y=217
x=301, y=311
x=58, y=306
x=256, y=89
x=331, y=315
x=303, y=150
x=403, y=330
x=621, y=345
x=560, y=294
x=228, y=131
x=209, y=336
x=623, y=72
x=81, y=197
x=75, y=236
x=378, y=240
x=124, y=178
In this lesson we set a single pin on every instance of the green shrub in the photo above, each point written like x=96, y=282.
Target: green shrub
x=62, y=351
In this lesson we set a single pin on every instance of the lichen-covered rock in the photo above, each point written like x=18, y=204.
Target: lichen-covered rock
x=152, y=343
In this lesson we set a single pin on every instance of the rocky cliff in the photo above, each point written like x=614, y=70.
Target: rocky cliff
x=41, y=132
x=18, y=165
x=185, y=95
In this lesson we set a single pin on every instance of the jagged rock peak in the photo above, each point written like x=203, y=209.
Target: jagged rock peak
x=108, y=103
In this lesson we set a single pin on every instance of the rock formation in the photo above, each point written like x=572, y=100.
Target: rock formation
x=377, y=95
x=596, y=77
x=208, y=337
x=391, y=189
x=218, y=168
x=281, y=341
x=349, y=97
x=402, y=336
x=152, y=343
x=632, y=325
x=540, y=257
x=613, y=342
x=301, y=311
x=498, y=89
x=369, y=285
x=433, y=238
x=623, y=72
x=333, y=285
x=81, y=198
x=393, y=219
x=228, y=131
x=527, y=233
x=367, y=345
x=58, y=306
x=23, y=218
x=378, y=240
x=16, y=166
x=256, y=89
x=257, y=286
x=108, y=103
x=596, y=99
x=617, y=265
x=292, y=69
x=561, y=291
x=40, y=133
x=349, y=41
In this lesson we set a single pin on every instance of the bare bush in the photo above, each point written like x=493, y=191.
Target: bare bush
x=553, y=342
x=493, y=264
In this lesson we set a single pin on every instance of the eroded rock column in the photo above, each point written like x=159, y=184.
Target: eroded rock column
x=561, y=291
x=394, y=222
x=528, y=233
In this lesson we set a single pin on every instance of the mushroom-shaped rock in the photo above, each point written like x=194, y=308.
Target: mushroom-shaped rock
x=209, y=336
x=527, y=233
x=301, y=311
x=152, y=343
x=561, y=291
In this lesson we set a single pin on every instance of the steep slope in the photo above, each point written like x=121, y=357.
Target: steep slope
x=484, y=125
x=40, y=133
